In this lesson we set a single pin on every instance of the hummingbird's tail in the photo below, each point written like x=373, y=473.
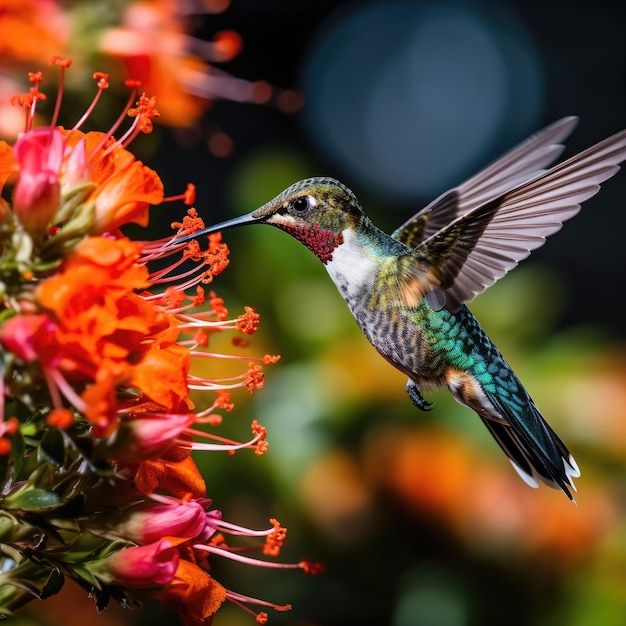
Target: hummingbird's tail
x=534, y=449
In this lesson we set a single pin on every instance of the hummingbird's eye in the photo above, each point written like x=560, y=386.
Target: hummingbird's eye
x=301, y=204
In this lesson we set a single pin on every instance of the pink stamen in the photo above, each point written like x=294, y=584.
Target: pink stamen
x=131, y=133
x=234, y=529
x=57, y=383
x=159, y=277
x=115, y=126
x=101, y=87
x=33, y=107
x=215, y=385
x=187, y=197
x=63, y=64
x=217, y=355
x=227, y=444
x=239, y=597
x=248, y=560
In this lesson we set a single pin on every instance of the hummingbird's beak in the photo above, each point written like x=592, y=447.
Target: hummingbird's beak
x=250, y=218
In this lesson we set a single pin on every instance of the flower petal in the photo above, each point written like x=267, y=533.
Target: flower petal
x=193, y=594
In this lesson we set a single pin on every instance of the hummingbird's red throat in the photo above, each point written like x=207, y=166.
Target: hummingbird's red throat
x=318, y=240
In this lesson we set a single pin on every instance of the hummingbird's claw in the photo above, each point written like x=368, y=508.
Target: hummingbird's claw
x=415, y=393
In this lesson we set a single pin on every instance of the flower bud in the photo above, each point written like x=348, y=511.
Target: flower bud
x=145, y=437
x=138, y=567
x=29, y=337
x=39, y=154
x=150, y=521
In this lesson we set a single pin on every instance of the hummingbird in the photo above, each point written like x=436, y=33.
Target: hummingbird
x=408, y=291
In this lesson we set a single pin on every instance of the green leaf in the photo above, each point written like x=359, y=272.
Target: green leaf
x=33, y=499
x=18, y=449
x=8, y=524
x=41, y=475
x=53, y=584
x=28, y=579
x=52, y=448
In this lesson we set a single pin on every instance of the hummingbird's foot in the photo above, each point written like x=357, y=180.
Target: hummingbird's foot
x=415, y=393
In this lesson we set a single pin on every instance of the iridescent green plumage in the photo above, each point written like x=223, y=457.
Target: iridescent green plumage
x=408, y=291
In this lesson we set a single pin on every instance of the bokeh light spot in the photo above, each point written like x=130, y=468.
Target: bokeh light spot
x=408, y=98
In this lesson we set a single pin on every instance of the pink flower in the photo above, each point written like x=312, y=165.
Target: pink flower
x=139, y=567
x=145, y=437
x=39, y=154
x=30, y=338
x=150, y=521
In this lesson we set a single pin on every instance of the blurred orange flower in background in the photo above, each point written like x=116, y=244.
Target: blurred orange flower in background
x=441, y=475
x=32, y=30
x=149, y=39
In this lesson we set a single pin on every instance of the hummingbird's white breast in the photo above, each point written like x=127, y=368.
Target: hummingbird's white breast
x=352, y=267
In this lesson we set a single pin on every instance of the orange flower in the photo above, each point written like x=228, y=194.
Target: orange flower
x=31, y=30
x=106, y=329
x=93, y=296
x=97, y=265
x=193, y=594
x=86, y=183
x=162, y=376
x=120, y=187
x=179, y=476
x=156, y=49
x=123, y=188
x=8, y=164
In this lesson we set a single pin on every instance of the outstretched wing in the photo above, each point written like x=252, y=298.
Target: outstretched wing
x=522, y=163
x=468, y=255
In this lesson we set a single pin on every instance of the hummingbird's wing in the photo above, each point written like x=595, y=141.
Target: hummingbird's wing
x=468, y=255
x=522, y=163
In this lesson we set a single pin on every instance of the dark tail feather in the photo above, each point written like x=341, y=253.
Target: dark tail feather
x=534, y=449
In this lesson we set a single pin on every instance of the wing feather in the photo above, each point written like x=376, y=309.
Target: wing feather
x=477, y=248
x=521, y=163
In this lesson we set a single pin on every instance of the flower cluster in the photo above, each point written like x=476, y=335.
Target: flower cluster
x=97, y=423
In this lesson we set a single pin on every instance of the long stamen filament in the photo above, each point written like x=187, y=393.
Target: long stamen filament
x=234, y=529
x=116, y=125
x=101, y=87
x=238, y=597
x=63, y=63
x=246, y=559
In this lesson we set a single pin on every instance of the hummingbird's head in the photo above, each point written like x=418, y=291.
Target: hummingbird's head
x=314, y=200
x=316, y=211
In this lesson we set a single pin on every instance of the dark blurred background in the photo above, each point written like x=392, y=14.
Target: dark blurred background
x=406, y=99
x=420, y=519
